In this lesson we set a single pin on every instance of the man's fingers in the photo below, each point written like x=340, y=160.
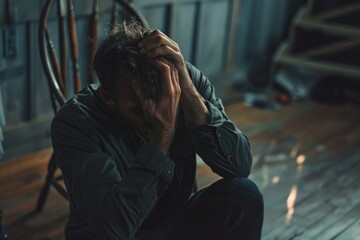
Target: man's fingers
x=149, y=38
x=165, y=77
x=156, y=39
x=175, y=81
x=136, y=85
x=176, y=77
x=148, y=106
x=165, y=51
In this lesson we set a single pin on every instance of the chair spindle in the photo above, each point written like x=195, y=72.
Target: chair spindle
x=74, y=51
x=61, y=11
x=54, y=62
x=113, y=15
x=94, y=33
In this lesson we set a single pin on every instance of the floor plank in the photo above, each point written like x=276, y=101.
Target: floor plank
x=352, y=232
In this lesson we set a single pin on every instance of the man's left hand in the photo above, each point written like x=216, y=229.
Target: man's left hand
x=157, y=44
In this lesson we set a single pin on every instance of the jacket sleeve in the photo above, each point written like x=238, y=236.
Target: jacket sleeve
x=219, y=142
x=111, y=201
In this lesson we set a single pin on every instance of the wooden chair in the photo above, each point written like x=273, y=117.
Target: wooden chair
x=56, y=71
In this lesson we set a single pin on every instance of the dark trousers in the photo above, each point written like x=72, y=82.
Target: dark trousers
x=229, y=209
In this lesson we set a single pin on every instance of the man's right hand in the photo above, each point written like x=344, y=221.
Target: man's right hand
x=161, y=114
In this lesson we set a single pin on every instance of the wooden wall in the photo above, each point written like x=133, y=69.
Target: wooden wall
x=206, y=30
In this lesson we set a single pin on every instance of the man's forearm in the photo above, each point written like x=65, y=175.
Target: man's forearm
x=192, y=103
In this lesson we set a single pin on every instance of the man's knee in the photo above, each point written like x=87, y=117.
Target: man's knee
x=238, y=190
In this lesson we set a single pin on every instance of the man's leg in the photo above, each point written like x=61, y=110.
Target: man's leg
x=228, y=209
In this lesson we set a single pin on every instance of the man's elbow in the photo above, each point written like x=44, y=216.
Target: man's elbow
x=245, y=162
x=244, y=170
x=246, y=157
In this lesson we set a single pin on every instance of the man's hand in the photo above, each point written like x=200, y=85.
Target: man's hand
x=161, y=114
x=156, y=45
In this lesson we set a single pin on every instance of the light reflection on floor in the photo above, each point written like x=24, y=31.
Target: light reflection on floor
x=293, y=161
x=290, y=203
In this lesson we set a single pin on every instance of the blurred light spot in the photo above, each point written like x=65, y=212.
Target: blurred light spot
x=300, y=159
x=275, y=180
x=291, y=203
x=300, y=162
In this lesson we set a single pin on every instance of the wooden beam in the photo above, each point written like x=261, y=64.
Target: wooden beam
x=330, y=48
x=329, y=28
x=283, y=57
x=337, y=12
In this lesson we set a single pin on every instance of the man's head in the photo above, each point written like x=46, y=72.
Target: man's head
x=118, y=60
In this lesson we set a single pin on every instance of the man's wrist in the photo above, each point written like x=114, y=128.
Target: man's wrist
x=192, y=103
x=161, y=141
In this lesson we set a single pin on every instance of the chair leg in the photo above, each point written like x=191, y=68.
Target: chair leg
x=3, y=234
x=45, y=189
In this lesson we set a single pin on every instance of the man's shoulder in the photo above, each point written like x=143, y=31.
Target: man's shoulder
x=191, y=68
x=80, y=105
x=195, y=74
x=200, y=80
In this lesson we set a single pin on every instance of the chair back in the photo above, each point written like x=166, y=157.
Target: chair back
x=55, y=69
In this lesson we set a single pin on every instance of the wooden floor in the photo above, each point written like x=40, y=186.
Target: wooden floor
x=306, y=163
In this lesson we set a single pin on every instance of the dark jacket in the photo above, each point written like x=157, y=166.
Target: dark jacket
x=116, y=180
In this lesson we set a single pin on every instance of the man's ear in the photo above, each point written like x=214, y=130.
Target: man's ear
x=108, y=99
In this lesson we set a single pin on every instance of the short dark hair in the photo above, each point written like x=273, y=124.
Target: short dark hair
x=118, y=58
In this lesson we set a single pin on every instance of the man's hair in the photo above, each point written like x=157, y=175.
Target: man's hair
x=119, y=59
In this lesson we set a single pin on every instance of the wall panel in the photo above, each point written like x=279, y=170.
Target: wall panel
x=206, y=31
x=183, y=27
x=212, y=36
x=14, y=78
x=40, y=91
x=157, y=16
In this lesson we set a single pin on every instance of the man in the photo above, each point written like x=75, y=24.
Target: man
x=127, y=149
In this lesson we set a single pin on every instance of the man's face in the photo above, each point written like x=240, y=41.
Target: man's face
x=128, y=106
